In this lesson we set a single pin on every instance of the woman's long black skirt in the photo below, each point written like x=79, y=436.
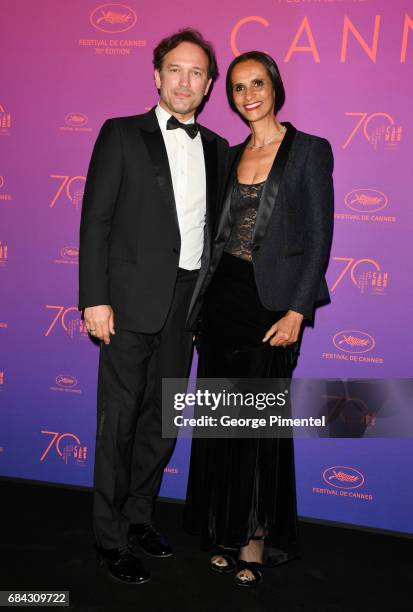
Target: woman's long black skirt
x=237, y=484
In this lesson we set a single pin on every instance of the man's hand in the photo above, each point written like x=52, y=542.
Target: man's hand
x=286, y=330
x=100, y=322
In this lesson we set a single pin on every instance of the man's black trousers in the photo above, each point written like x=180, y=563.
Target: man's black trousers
x=130, y=453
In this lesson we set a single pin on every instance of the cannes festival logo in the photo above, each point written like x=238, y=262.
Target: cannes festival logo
x=70, y=253
x=4, y=253
x=366, y=200
x=5, y=119
x=343, y=477
x=113, y=18
x=353, y=341
x=76, y=119
x=66, y=381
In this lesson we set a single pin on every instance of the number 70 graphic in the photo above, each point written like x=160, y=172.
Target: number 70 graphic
x=66, y=183
x=56, y=439
x=61, y=313
x=351, y=266
x=364, y=121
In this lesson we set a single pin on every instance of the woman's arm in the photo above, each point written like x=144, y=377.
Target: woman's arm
x=319, y=206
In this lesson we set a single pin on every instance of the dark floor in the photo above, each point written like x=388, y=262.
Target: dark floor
x=47, y=544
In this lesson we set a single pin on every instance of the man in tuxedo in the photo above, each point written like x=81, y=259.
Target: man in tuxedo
x=148, y=213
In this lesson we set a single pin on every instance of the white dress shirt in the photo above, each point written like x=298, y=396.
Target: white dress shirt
x=187, y=165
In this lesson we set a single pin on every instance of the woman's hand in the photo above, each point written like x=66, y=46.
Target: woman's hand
x=286, y=330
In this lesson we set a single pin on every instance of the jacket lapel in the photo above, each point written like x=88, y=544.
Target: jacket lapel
x=211, y=177
x=224, y=224
x=271, y=188
x=154, y=142
x=209, y=145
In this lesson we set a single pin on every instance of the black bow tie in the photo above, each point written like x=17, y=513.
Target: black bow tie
x=190, y=128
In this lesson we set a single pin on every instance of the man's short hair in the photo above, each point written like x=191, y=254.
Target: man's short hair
x=191, y=36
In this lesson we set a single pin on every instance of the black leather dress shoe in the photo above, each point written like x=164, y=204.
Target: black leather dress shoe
x=150, y=540
x=123, y=565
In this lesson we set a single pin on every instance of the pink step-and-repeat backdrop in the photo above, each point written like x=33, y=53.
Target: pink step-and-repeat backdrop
x=67, y=65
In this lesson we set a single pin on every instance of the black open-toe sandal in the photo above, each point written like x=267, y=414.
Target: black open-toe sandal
x=256, y=570
x=254, y=567
x=228, y=558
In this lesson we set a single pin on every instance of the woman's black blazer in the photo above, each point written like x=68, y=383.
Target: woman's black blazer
x=294, y=226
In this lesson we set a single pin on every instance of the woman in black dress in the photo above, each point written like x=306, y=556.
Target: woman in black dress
x=266, y=276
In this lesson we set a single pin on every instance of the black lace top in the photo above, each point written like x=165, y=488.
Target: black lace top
x=244, y=207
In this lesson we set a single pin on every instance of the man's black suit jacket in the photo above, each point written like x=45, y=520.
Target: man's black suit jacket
x=129, y=234
x=293, y=230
